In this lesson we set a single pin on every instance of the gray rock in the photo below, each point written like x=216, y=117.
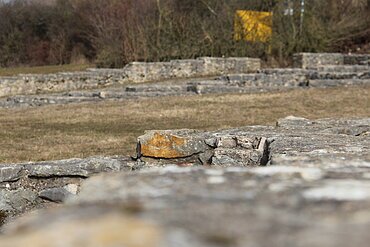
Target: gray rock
x=55, y=194
x=10, y=173
x=72, y=188
x=74, y=167
x=236, y=157
x=292, y=121
x=206, y=157
x=17, y=201
x=227, y=142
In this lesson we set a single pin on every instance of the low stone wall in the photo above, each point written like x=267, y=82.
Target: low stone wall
x=362, y=59
x=133, y=72
x=267, y=80
x=314, y=60
x=201, y=67
x=25, y=186
x=292, y=141
x=35, y=84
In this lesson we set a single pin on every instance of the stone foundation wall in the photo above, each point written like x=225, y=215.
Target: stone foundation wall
x=33, y=185
x=362, y=59
x=26, y=186
x=314, y=60
x=133, y=72
x=201, y=67
x=35, y=84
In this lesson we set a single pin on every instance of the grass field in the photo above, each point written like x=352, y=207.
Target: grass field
x=111, y=128
x=44, y=69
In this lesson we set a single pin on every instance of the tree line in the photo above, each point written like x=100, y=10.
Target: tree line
x=112, y=33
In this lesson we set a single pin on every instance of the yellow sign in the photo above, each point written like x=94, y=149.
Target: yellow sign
x=253, y=26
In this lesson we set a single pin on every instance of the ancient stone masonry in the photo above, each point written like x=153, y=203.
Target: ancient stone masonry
x=204, y=66
x=36, y=84
x=25, y=186
x=301, y=144
x=133, y=72
x=314, y=188
x=265, y=80
x=314, y=60
x=238, y=75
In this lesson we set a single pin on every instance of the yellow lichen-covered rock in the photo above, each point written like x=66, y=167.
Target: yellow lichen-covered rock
x=168, y=144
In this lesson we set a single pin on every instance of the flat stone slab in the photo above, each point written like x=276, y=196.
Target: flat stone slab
x=170, y=144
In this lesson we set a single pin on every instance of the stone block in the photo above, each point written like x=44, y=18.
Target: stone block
x=142, y=71
x=240, y=151
x=168, y=144
x=17, y=200
x=186, y=68
x=313, y=60
x=73, y=167
x=55, y=194
x=357, y=59
x=219, y=65
x=10, y=173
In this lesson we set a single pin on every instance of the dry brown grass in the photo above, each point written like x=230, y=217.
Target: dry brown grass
x=44, y=69
x=111, y=128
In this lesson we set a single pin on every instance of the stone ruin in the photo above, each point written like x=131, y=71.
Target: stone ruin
x=184, y=77
x=299, y=183
x=275, y=185
x=134, y=72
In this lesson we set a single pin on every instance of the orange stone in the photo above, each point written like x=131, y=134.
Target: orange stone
x=170, y=144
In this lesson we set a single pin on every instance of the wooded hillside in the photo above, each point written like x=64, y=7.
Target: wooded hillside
x=112, y=33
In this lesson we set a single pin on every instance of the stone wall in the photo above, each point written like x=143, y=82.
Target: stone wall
x=314, y=60
x=25, y=186
x=362, y=59
x=266, y=80
x=296, y=165
x=236, y=75
x=133, y=72
x=201, y=67
x=35, y=84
